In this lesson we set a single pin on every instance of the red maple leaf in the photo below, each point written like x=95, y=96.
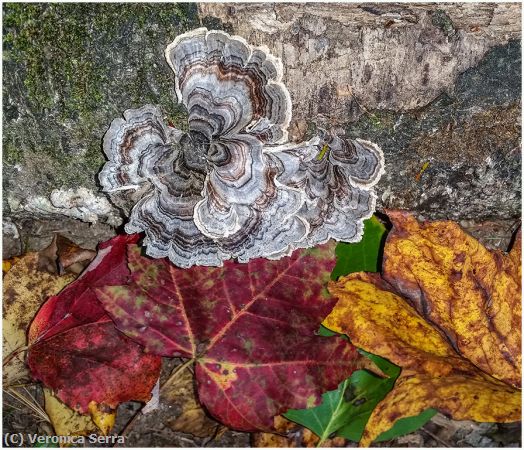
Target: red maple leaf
x=75, y=349
x=250, y=328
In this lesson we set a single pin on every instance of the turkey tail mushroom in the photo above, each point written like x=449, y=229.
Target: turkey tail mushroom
x=232, y=187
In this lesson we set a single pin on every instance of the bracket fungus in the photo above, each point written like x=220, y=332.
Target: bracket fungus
x=233, y=187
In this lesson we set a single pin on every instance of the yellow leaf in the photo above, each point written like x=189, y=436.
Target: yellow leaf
x=26, y=286
x=448, y=312
x=103, y=417
x=6, y=265
x=65, y=421
x=461, y=396
x=471, y=294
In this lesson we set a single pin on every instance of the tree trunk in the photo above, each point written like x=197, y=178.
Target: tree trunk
x=437, y=86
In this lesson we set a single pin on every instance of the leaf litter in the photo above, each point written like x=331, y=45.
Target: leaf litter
x=303, y=443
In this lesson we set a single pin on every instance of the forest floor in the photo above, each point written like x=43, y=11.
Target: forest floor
x=159, y=429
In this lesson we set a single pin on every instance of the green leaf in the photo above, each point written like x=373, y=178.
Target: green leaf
x=407, y=425
x=390, y=369
x=364, y=255
x=326, y=332
x=346, y=410
x=350, y=416
x=371, y=390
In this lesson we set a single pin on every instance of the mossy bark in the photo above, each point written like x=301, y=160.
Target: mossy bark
x=437, y=86
x=69, y=70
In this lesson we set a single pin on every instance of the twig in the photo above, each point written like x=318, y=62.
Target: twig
x=23, y=410
x=15, y=352
x=130, y=423
x=213, y=437
x=184, y=439
x=32, y=404
x=429, y=433
x=18, y=385
x=12, y=406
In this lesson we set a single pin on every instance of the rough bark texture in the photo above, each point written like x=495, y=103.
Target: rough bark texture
x=430, y=83
x=389, y=56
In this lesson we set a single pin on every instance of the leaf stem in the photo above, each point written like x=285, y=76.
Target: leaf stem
x=436, y=438
x=327, y=431
x=176, y=372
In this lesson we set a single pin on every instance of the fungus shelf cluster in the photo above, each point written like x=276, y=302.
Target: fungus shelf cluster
x=233, y=187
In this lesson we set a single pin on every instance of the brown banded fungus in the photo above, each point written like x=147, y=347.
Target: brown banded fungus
x=232, y=187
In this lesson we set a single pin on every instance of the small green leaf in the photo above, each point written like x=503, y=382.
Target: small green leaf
x=364, y=255
x=372, y=390
x=390, y=369
x=345, y=411
x=407, y=425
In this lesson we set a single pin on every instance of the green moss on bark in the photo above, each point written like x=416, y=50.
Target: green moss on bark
x=69, y=69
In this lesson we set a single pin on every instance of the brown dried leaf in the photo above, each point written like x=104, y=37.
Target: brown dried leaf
x=311, y=440
x=281, y=439
x=192, y=419
x=291, y=434
x=63, y=255
x=271, y=440
x=25, y=288
x=29, y=281
x=72, y=258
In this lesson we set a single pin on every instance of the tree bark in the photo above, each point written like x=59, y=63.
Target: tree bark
x=437, y=86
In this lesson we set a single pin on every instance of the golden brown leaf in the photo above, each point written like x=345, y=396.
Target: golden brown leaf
x=271, y=440
x=25, y=289
x=311, y=440
x=282, y=438
x=290, y=434
x=192, y=419
x=449, y=314
x=471, y=294
x=29, y=280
